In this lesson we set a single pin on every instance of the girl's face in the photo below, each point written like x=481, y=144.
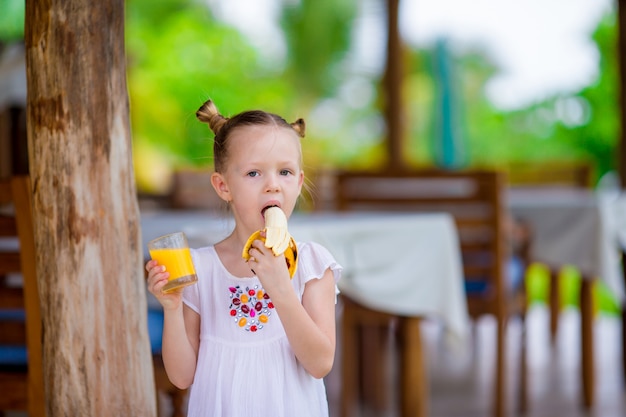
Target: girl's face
x=263, y=169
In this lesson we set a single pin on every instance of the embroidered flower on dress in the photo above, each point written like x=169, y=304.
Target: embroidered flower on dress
x=250, y=307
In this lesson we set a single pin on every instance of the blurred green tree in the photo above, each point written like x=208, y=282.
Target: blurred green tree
x=180, y=54
x=580, y=126
x=595, y=132
x=318, y=36
x=11, y=21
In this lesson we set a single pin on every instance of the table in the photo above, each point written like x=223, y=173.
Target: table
x=582, y=228
x=574, y=227
x=405, y=264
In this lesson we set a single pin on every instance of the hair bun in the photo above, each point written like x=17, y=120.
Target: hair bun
x=208, y=113
x=299, y=126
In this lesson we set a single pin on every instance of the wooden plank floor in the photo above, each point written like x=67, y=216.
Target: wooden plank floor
x=460, y=385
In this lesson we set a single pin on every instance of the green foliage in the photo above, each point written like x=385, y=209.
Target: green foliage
x=318, y=37
x=598, y=137
x=582, y=126
x=11, y=21
x=538, y=289
x=178, y=57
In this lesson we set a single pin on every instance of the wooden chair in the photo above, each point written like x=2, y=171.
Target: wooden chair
x=572, y=175
x=551, y=174
x=21, y=372
x=476, y=201
x=192, y=190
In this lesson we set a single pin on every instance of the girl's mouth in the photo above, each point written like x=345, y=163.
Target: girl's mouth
x=265, y=208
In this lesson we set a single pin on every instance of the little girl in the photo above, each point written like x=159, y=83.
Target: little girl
x=272, y=362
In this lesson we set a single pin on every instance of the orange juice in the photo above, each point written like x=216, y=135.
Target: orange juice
x=177, y=262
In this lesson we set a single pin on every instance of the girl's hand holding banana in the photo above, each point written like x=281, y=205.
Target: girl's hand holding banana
x=277, y=238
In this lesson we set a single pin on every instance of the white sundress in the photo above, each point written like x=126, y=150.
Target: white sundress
x=245, y=366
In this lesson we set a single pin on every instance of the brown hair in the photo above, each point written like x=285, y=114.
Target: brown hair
x=222, y=127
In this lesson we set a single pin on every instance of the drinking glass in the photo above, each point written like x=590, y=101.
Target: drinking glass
x=172, y=251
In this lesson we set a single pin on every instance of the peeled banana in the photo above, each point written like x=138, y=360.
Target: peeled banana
x=277, y=238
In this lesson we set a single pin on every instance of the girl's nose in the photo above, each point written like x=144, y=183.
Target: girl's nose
x=272, y=185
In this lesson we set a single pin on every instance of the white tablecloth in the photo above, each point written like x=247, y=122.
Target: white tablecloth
x=407, y=264
x=575, y=227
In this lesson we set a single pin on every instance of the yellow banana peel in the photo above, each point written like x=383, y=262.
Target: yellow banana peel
x=277, y=238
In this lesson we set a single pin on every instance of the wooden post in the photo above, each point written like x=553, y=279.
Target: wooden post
x=394, y=112
x=586, y=334
x=97, y=358
x=414, y=373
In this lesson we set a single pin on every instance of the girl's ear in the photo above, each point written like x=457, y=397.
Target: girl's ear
x=220, y=186
x=301, y=180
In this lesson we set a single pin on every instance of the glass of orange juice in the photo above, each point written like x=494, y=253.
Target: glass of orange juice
x=172, y=251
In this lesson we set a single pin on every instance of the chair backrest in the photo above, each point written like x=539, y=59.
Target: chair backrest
x=474, y=198
x=192, y=190
x=21, y=384
x=551, y=174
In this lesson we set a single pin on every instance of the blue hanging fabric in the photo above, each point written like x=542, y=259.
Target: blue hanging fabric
x=448, y=142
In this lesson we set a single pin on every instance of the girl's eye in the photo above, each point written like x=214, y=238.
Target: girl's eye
x=252, y=174
x=285, y=172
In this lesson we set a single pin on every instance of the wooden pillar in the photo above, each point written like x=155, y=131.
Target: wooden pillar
x=96, y=350
x=394, y=112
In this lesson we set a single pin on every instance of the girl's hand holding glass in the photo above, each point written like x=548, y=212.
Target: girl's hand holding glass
x=158, y=278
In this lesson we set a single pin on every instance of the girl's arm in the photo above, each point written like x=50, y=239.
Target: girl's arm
x=310, y=325
x=181, y=339
x=181, y=329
